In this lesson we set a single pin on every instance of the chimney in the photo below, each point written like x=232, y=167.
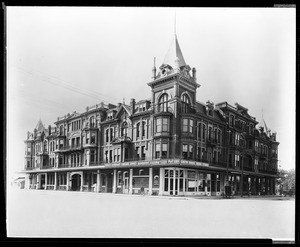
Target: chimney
x=49, y=129
x=154, y=71
x=132, y=104
x=119, y=105
x=194, y=74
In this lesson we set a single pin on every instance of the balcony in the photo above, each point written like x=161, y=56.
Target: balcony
x=75, y=147
x=70, y=165
x=47, y=167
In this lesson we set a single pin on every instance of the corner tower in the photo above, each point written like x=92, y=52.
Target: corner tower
x=176, y=79
x=173, y=96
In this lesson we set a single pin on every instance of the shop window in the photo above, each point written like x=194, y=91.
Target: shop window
x=201, y=182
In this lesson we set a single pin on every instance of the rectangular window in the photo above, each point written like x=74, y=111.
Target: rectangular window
x=143, y=153
x=115, y=155
x=137, y=152
x=203, y=132
x=158, y=124
x=191, y=154
x=157, y=150
x=184, y=151
x=165, y=124
x=93, y=138
x=199, y=131
x=164, y=150
x=137, y=130
x=191, y=126
x=93, y=156
x=87, y=140
x=143, y=129
x=237, y=160
x=119, y=154
x=110, y=155
x=185, y=125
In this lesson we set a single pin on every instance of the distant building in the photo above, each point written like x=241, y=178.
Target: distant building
x=170, y=144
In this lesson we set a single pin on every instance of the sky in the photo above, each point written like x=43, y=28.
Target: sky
x=63, y=59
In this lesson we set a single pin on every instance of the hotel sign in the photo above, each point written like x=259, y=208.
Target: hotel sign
x=164, y=162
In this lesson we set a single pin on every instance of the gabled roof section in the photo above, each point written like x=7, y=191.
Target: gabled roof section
x=126, y=108
x=174, y=53
x=40, y=126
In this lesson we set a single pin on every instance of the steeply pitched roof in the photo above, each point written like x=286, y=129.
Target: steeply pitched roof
x=173, y=53
x=40, y=126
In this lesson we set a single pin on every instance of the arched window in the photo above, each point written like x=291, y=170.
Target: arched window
x=186, y=104
x=231, y=120
x=209, y=133
x=124, y=129
x=163, y=102
x=45, y=146
x=61, y=130
x=138, y=130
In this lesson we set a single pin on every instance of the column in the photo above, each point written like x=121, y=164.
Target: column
x=55, y=180
x=115, y=182
x=38, y=179
x=150, y=180
x=81, y=185
x=98, y=181
x=161, y=181
x=46, y=176
x=184, y=176
x=68, y=181
x=130, y=180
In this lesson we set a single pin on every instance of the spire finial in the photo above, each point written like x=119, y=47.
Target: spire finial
x=175, y=24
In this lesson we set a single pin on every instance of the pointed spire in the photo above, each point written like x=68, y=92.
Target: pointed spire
x=174, y=55
x=40, y=126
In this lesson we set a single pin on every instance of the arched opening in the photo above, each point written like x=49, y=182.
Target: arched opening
x=186, y=104
x=76, y=182
x=163, y=103
x=124, y=129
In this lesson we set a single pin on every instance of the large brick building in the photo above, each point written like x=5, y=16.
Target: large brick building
x=170, y=144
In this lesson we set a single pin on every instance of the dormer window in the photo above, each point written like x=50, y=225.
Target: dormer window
x=142, y=107
x=110, y=116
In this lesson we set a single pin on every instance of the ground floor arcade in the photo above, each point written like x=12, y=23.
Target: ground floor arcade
x=154, y=181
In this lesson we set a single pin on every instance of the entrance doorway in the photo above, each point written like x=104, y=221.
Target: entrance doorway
x=126, y=183
x=76, y=182
x=174, y=181
x=43, y=179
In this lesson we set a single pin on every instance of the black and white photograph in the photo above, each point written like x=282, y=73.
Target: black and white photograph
x=150, y=122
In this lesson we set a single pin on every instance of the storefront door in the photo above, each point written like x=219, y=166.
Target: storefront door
x=173, y=181
x=126, y=183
